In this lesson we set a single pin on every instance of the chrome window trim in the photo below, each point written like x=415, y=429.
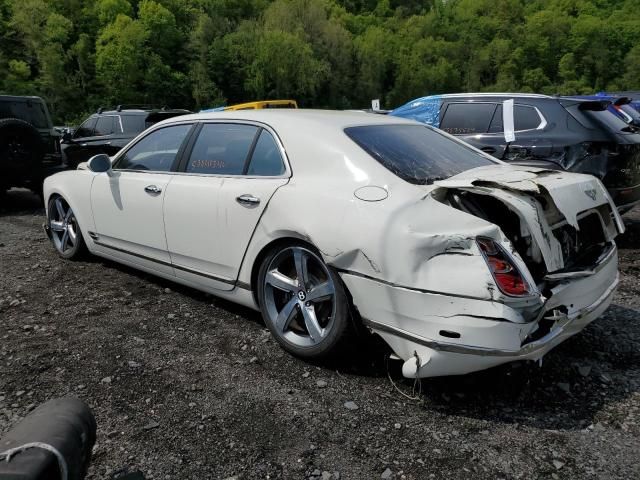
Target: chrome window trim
x=283, y=153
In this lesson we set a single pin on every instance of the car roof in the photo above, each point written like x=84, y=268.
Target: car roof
x=497, y=94
x=18, y=98
x=281, y=117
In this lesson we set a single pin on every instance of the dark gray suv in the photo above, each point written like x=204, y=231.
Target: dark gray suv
x=560, y=133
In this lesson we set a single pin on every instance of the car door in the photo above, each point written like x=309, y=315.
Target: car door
x=213, y=207
x=473, y=122
x=127, y=203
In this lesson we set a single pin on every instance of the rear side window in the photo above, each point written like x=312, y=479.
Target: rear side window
x=155, y=152
x=266, y=159
x=467, y=118
x=104, y=126
x=86, y=129
x=222, y=149
x=525, y=118
x=416, y=153
x=132, y=123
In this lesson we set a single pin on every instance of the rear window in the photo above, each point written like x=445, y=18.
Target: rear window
x=416, y=153
x=133, y=123
x=29, y=111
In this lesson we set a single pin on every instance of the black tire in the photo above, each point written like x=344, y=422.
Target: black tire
x=21, y=153
x=64, y=230
x=334, y=321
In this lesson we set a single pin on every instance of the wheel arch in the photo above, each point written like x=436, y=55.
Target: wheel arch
x=287, y=239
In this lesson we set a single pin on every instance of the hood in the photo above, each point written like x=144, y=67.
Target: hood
x=542, y=199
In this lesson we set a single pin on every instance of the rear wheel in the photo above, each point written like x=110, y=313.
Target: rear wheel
x=65, y=231
x=303, y=302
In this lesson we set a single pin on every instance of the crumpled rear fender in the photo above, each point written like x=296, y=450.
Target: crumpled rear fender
x=407, y=240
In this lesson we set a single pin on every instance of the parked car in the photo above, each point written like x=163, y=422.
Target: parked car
x=560, y=133
x=324, y=219
x=255, y=105
x=29, y=145
x=107, y=131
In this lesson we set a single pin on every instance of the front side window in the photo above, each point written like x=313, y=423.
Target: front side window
x=467, y=118
x=222, y=149
x=266, y=159
x=86, y=129
x=155, y=152
x=416, y=153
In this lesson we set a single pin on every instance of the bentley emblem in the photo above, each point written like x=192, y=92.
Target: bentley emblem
x=591, y=193
x=302, y=295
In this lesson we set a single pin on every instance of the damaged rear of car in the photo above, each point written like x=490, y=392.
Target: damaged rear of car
x=502, y=263
x=562, y=133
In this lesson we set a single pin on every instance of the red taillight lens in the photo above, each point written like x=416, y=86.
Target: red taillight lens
x=504, y=272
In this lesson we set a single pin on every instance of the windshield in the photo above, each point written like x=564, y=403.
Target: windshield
x=416, y=153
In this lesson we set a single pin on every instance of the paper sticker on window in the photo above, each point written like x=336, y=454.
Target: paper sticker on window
x=507, y=121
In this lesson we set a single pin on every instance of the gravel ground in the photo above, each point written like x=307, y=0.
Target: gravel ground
x=186, y=386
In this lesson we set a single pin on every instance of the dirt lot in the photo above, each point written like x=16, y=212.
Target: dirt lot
x=187, y=386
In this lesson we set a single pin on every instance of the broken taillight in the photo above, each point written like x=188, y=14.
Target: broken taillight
x=504, y=271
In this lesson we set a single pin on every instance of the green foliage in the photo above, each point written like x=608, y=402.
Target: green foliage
x=80, y=54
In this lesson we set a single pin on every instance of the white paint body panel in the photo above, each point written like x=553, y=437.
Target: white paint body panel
x=410, y=261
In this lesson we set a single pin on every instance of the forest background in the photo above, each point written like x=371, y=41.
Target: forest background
x=82, y=54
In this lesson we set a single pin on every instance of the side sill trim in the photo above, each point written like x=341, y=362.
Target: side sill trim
x=235, y=283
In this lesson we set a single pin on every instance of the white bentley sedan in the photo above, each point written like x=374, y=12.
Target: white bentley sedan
x=323, y=219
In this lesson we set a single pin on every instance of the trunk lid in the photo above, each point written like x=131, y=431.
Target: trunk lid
x=551, y=206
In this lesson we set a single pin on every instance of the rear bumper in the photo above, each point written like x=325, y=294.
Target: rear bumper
x=489, y=333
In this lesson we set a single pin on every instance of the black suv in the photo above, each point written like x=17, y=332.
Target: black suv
x=561, y=133
x=29, y=144
x=107, y=131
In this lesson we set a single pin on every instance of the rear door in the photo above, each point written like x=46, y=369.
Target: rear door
x=213, y=207
x=473, y=122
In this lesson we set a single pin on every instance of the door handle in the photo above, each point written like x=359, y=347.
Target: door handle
x=247, y=200
x=489, y=150
x=152, y=189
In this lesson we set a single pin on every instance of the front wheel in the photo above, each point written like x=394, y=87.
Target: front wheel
x=303, y=302
x=64, y=229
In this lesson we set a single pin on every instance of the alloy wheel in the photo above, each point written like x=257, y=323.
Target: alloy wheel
x=63, y=225
x=299, y=296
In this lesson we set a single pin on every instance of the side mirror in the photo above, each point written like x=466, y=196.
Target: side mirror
x=100, y=163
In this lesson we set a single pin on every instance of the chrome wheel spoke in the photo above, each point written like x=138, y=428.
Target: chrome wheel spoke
x=57, y=226
x=280, y=281
x=321, y=292
x=60, y=209
x=287, y=314
x=64, y=242
x=301, y=262
x=316, y=332
x=72, y=234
